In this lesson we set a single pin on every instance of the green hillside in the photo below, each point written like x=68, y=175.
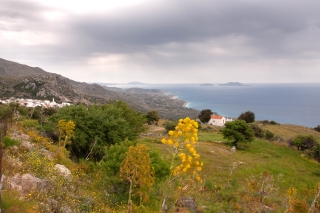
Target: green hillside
x=260, y=176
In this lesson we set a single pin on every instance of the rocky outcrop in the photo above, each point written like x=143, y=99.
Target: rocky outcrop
x=64, y=171
x=26, y=183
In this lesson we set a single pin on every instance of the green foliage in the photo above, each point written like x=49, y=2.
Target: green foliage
x=136, y=168
x=316, y=153
x=5, y=110
x=304, y=142
x=12, y=203
x=114, y=155
x=317, y=128
x=161, y=167
x=238, y=131
x=7, y=141
x=273, y=122
x=205, y=115
x=30, y=123
x=258, y=131
x=269, y=135
x=152, y=117
x=100, y=126
x=247, y=116
x=170, y=125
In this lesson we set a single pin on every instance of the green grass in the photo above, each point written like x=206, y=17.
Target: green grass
x=211, y=137
x=287, y=167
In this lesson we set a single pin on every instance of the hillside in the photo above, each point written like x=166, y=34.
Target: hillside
x=22, y=81
x=254, y=178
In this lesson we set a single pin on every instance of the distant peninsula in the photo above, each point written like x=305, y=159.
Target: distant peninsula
x=206, y=84
x=233, y=84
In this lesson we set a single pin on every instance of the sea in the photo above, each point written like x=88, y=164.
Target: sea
x=297, y=104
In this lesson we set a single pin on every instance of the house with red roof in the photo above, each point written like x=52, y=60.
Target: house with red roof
x=217, y=120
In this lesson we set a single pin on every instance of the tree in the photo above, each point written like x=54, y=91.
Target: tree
x=238, y=131
x=205, y=115
x=99, y=126
x=247, y=116
x=152, y=117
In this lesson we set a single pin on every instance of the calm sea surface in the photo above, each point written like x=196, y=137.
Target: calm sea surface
x=284, y=103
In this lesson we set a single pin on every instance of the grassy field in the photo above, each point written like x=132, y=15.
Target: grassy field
x=234, y=181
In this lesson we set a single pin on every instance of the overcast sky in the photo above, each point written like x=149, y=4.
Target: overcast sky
x=165, y=41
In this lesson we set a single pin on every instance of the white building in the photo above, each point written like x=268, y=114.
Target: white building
x=217, y=120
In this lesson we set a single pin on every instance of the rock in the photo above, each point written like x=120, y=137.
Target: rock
x=64, y=171
x=65, y=209
x=25, y=137
x=15, y=182
x=26, y=183
x=30, y=182
x=26, y=144
x=47, y=154
x=187, y=203
x=233, y=149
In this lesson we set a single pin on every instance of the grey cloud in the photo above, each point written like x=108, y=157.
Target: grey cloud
x=179, y=34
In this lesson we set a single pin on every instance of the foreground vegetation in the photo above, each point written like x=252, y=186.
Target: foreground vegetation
x=259, y=176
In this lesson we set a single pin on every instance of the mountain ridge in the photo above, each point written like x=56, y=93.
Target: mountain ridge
x=23, y=81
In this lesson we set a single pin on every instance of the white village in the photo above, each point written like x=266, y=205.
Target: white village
x=34, y=103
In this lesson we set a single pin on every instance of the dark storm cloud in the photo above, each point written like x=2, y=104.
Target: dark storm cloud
x=175, y=34
x=157, y=23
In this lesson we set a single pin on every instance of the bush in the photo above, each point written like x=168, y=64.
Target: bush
x=317, y=128
x=273, y=122
x=258, y=131
x=316, y=153
x=7, y=142
x=170, y=125
x=269, y=135
x=303, y=142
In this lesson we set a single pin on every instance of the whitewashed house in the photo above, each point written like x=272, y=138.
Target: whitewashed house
x=217, y=120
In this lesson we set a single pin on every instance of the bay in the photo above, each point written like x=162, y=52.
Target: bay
x=297, y=104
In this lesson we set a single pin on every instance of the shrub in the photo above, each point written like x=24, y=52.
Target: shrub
x=7, y=142
x=273, y=122
x=269, y=135
x=316, y=153
x=258, y=131
x=170, y=125
x=303, y=142
x=317, y=128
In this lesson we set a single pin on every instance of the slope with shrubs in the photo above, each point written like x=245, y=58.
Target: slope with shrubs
x=260, y=176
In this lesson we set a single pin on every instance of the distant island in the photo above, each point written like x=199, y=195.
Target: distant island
x=233, y=84
x=206, y=84
x=135, y=83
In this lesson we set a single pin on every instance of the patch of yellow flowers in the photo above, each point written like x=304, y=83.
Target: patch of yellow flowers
x=182, y=142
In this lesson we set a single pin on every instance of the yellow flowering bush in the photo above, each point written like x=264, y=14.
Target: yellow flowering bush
x=182, y=142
